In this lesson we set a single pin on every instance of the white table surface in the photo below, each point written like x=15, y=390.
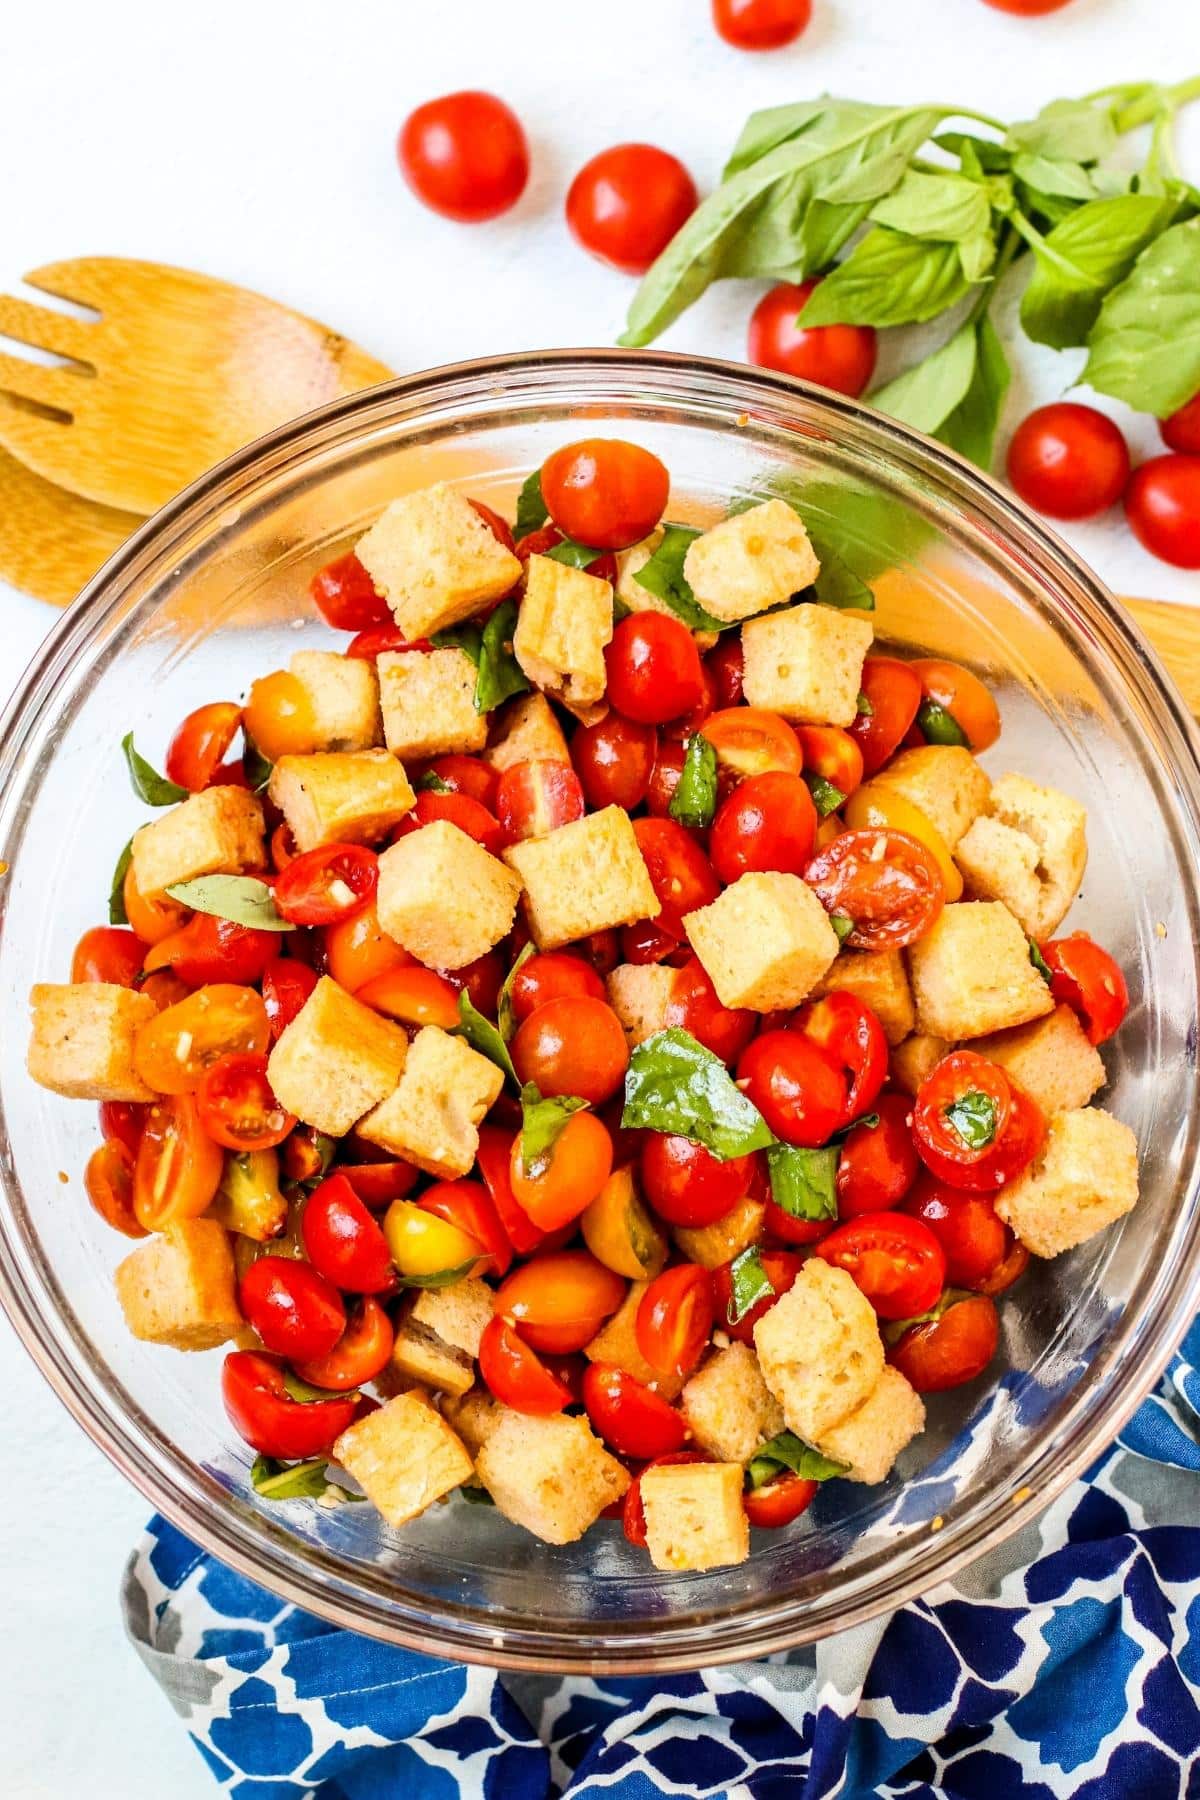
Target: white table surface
x=255, y=141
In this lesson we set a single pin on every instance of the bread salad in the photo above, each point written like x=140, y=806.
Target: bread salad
x=597, y=1043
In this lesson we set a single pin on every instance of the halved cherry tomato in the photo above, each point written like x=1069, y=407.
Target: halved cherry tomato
x=414, y=995
x=361, y=1353
x=466, y=775
x=605, y=491
x=422, y=1242
x=574, y=1045
x=123, y=1120
x=358, y=948
x=780, y=1227
x=653, y=669
x=493, y=1159
x=556, y=1190
x=295, y=1311
x=780, y=1267
x=150, y=919
x=537, y=797
x=198, y=748
x=306, y=1154
x=106, y=953
x=878, y=1164
x=279, y=719
x=345, y=596
x=832, y=754
x=633, y=1513
x=209, y=949
x=850, y=1034
x=619, y=1231
x=975, y=1240
x=327, y=884
x=1089, y=981
x=973, y=1127
x=750, y=741
x=457, y=809
x=286, y=985
x=165, y=989
x=378, y=639
x=614, y=760
x=237, y=1107
x=645, y=942
x=961, y=694
x=876, y=806
x=779, y=1502
x=798, y=1087
x=893, y=1259
x=480, y=980
x=469, y=1206
x=377, y=1184
x=768, y=823
x=950, y=1350
x=262, y=1411
x=343, y=1241
x=552, y=975
x=681, y=875
x=675, y=1318
x=1007, y=1272
x=693, y=1006
x=108, y=1183
x=173, y=1050
x=726, y=665
x=629, y=1416
x=559, y=1300
x=515, y=1375
x=178, y=1167
x=283, y=847
x=892, y=695
x=686, y=1184
x=887, y=884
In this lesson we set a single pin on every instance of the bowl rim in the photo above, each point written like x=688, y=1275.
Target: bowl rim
x=667, y=1645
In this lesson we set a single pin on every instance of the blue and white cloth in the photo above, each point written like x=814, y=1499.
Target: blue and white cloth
x=1067, y=1663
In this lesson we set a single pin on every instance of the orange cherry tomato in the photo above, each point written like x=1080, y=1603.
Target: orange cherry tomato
x=174, y=1049
x=876, y=806
x=953, y=1349
x=629, y=1416
x=327, y=884
x=563, y=1185
x=361, y=1353
x=210, y=949
x=178, y=1167
x=675, y=1319
x=497, y=1148
x=414, y=995
x=574, y=1045
x=377, y=1184
x=780, y=1501
x=961, y=694
x=358, y=948
x=832, y=754
x=150, y=919
x=892, y=693
x=284, y=849
x=605, y=491
x=106, y=953
x=279, y=718
x=200, y=743
x=468, y=1205
x=886, y=883
x=558, y=1301
x=537, y=797
x=237, y=1107
x=750, y=741
x=108, y=1183
x=515, y=1375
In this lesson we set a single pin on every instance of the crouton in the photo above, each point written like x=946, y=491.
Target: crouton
x=219, y=831
x=694, y=1515
x=458, y=1314
x=872, y=1437
x=420, y=1355
x=880, y=980
x=1084, y=1177
x=638, y=993
x=636, y=598
x=564, y=622
x=755, y=560
x=336, y=1060
x=1029, y=850
x=432, y=1117
x=404, y=1456
x=1050, y=1058
x=806, y=663
x=819, y=1349
x=444, y=897
x=735, y=1231
x=180, y=1287
x=474, y=1416
x=524, y=729
x=339, y=796
x=616, y=1343
x=428, y=701
x=343, y=693
x=915, y=1058
x=435, y=560
x=944, y=782
x=81, y=1043
x=971, y=973
x=729, y=1406
x=765, y=942
x=549, y=1474
x=582, y=878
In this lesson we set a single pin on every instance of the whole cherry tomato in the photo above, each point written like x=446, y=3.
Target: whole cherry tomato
x=975, y=1240
x=178, y=1167
x=262, y=1411
x=345, y=596
x=606, y=492
x=751, y=741
x=681, y=875
x=200, y=743
x=552, y=975
x=950, y=1350
x=515, y=1375
x=465, y=156
x=377, y=1184
x=653, y=668
x=574, y=1045
x=887, y=884
x=559, y=1299
x=414, y=995
x=497, y=1149
x=675, y=1318
x=286, y=985
x=633, y=1513
x=850, y=1034
x=295, y=1311
x=893, y=1259
x=1181, y=431
x=361, y=1353
x=537, y=797
x=693, y=1006
x=780, y=1267
x=972, y=1127
x=798, y=1087
x=358, y=948
x=456, y=809
x=627, y=203
x=629, y=1416
x=468, y=1205
x=1163, y=506
x=1089, y=981
x=614, y=760
x=106, y=953
x=108, y=1184
x=841, y=357
x=343, y=1241
x=726, y=665
x=780, y=1501
x=961, y=694
x=760, y=24
x=878, y=1164
x=123, y=1120
x=327, y=884
x=1069, y=461
x=1029, y=9
x=664, y=777
x=279, y=719
x=237, y=1107
x=465, y=775
x=891, y=699
x=557, y=1188
x=769, y=822
x=686, y=1184
x=208, y=949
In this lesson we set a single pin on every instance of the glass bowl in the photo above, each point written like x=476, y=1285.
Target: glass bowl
x=214, y=590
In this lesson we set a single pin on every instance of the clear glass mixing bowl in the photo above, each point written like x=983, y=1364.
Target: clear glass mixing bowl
x=213, y=591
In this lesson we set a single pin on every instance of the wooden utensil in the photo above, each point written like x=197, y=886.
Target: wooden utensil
x=1174, y=632
x=175, y=372
x=52, y=542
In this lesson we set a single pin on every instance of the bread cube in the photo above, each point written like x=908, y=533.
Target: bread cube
x=549, y=1474
x=404, y=1456
x=336, y=1060
x=616, y=1343
x=819, y=1349
x=180, y=1287
x=582, y=878
x=474, y=1416
x=524, y=729
x=458, y=1314
x=735, y=1231
x=564, y=622
x=638, y=993
x=913, y=1060
x=971, y=973
x=1029, y=850
x=1085, y=1176
x=765, y=942
x=729, y=1407
x=880, y=980
x=435, y=561
x=428, y=701
x=944, y=782
x=219, y=831
x=81, y=1042
x=1050, y=1058
x=339, y=796
x=755, y=560
x=872, y=1437
x=444, y=897
x=343, y=692
x=694, y=1515
x=806, y=663
x=432, y=1118
x=420, y=1355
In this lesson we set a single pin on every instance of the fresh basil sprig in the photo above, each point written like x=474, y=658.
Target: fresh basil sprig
x=787, y=1452
x=662, y=575
x=504, y=1006
x=243, y=899
x=116, y=893
x=804, y=1182
x=484, y=1037
x=748, y=1284
x=673, y=1084
x=695, y=798
x=532, y=511
x=574, y=555
x=295, y=1481
x=542, y=1122
x=498, y=674
x=148, y=784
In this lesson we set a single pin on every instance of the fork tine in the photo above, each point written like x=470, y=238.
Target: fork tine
x=45, y=329
x=59, y=388
x=80, y=279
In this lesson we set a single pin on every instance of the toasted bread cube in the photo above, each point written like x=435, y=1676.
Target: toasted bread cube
x=1050, y=1058
x=404, y=1456
x=219, y=831
x=806, y=663
x=735, y=1231
x=343, y=692
x=180, y=1287
x=870, y=1440
x=432, y=1118
x=459, y=1314
x=639, y=993
x=420, y=1355
x=755, y=560
x=444, y=897
x=435, y=561
x=524, y=729
x=971, y=973
x=1085, y=1176
x=564, y=622
x=428, y=701
x=944, y=782
x=335, y=1060
x=474, y=1416
x=1030, y=850
x=339, y=796
x=81, y=1042
x=729, y=1406
x=636, y=598
x=549, y=1474
x=582, y=878
x=880, y=980
x=694, y=1515
x=915, y=1058
x=819, y=1349
x=765, y=942
x=616, y=1343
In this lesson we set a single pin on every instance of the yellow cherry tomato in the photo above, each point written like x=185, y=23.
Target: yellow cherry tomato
x=619, y=1231
x=874, y=806
x=249, y=1200
x=279, y=717
x=423, y=1244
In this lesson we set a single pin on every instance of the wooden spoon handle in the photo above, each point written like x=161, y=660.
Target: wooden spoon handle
x=1174, y=632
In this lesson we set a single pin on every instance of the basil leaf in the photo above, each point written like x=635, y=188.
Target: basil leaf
x=305, y=1394
x=255, y=765
x=836, y=583
x=749, y=1283
x=926, y=395
x=541, y=1122
x=1082, y=258
x=294, y=1481
x=475, y=1496
x=662, y=575
x=500, y=675
x=842, y=926
x=483, y=1036
x=674, y=1084
x=937, y=726
x=467, y=638
x=826, y=798
x=504, y=1008
x=431, y=783
x=148, y=784
x=943, y=207
x=1052, y=176
x=971, y=427
x=116, y=893
x=786, y=1451
x=888, y=279
x=1040, y=964
x=243, y=899
x=532, y=511
x=841, y=580
x=863, y=707
x=695, y=798
x=1145, y=345
x=804, y=1182
x=991, y=158
x=973, y=1118
x=1079, y=131
x=575, y=556
x=441, y=1278
x=977, y=254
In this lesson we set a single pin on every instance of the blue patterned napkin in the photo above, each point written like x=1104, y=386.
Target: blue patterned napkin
x=1067, y=1663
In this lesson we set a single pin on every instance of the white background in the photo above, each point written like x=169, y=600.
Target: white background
x=255, y=141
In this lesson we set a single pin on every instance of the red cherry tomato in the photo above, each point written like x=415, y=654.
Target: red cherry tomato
x=780, y=1267
x=327, y=884
x=343, y=1241
x=891, y=895
x=295, y=1311
x=108, y=1184
x=1069, y=461
x=686, y=1184
x=664, y=777
x=1008, y=1272
x=614, y=760
x=361, y=1353
x=627, y=203
x=893, y=693
x=555, y=1191
x=515, y=1375
x=497, y=1148
x=344, y=595
x=693, y=1006
x=559, y=1299
x=780, y=1227
x=178, y=1166
x=841, y=357
x=1089, y=981
x=1029, y=9
x=537, y=797
x=675, y=1319
x=286, y=985
x=606, y=492
x=123, y=1120
x=633, y=1513
x=975, y=1241
x=630, y=1417
x=724, y=663
x=456, y=809
x=750, y=741
x=208, y=949
x=645, y=943
x=468, y=1205
x=552, y=975
x=466, y=775
x=536, y=543
x=680, y=874
x=377, y=1184
x=376, y=639
x=262, y=1411
x=500, y=528
x=893, y=1259
x=1181, y=431
x=760, y=24
x=465, y=156
x=653, y=669
x=779, y=1502
x=1163, y=507
x=106, y=953
x=972, y=1127
x=878, y=1164
x=236, y=1105
x=574, y=1045
x=850, y=1034
x=481, y=980
x=769, y=822
x=832, y=754
x=198, y=748
x=798, y=1088
x=946, y=1352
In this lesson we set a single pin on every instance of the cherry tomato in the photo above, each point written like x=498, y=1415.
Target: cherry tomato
x=343, y=1241
x=422, y=1242
x=606, y=492
x=468, y=1205
x=237, y=1107
x=515, y=1374
x=1029, y=9
x=286, y=985
x=552, y=975
x=975, y=1241
x=946, y=1352
x=535, y=798
x=467, y=775
x=178, y=1167
x=261, y=1410
x=633, y=1514
x=841, y=357
x=123, y=1120
x=108, y=1184
x=306, y=1154
x=283, y=847
x=556, y=1191
x=200, y=743
x=780, y=1227
x=377, y=1184
x=850, y=1034
x=558, y=1301
x=357, y=949
x=972, y=1127
x=173, y=1050
x=798, y=1087
x=686, y=1184
x=893, y=1259
x=1163, y=507
x=150, y=919
x=627, y=203
x=536, y=543
x=1181, y=431
x=165, y=989
x=653, y=668
x=681, y=875
x=414, y=995
x=646, y=943
x=1007, y=1272
x=779, y=1502
x=1069, y=461
x=760, y=24
x=464, y=155
x=961, y=694
x=345, y=596
x=629, y=1416
x=876, y=806
x=574, y=1045
x=456, y=809
x=493, y=1159
x=279, y=719
x=614, y=761
x=891, y=895
x=361, y=1353
x=725, y=664
x=832, y=754
x=893, y=693
x=208, y=949
x=878, y=1164
x=693, y=1006
x=750, y=741
x=675, y=1319
x=327, y=884
x=106, y=953
x=480, y=980
x=295, y=1311
x=664, y=777
x=1089, y=981
x=377, y=639
x=769, y=822
x=780, y=1267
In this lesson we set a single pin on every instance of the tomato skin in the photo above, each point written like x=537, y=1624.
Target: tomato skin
x=261, y=1410
x=464, y=155
x=675, y=1319
x=558, y=1301
x=626, y=204
x=414, y=995
x=646, y=943
x=123, y=1120
x=377, y=1184
x=344, y=1242
x=172, y=1051
x=653, y=669
x=574, y=1045
x=237, y=1107
x=286, y=985
x=960, y=693
x=779, y=1227
x=1007, y=1272
x=377, y=639
x=841, y=357
x=579, y=1166
x=664, y=777
x=975, y=1240
x=1181, y=432
x=1162, y=505
x=781, y=1268
x=278, y=717
x=768, y=823
x=198, y=748
x=108, y=1183
x=633, y=1513
x=726, y=665
x=1088, y=980
x=294, y=1310
x=681, y=875
x=357, y=949
x=614, y=761
x=151, y=920
x=1068, y=461
x=878, y=1165
x=535, y=798
x=833, y=754
x=894, y=1259
x=361, y=1353
x=686, y=1184
x=946, y=1352
x=107, y=953
x=849, y=1033
x=1019, y=1126
x=751, y=741
x=480, y=980
x=1028, y=9
x=464, y=774
x=327, y=884
x=631, y=1418
x=468, y=1205
x=456, y=809
x=894, y=695
x=797, y=1087
x=892, y=900
x=779, y=1502
x=692, y=1004
x=344, y=595
x=605, y=491
x=178, y=1167
x=515, y=1375
x=761, y=24
x=552, y=975
x=208, y=949
x=494, y=1158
